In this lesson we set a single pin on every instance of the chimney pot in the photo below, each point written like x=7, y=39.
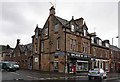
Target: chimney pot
x=52, y=10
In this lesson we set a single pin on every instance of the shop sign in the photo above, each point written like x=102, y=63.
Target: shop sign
x=93, y=59
x=60, y=53
x=36, y=59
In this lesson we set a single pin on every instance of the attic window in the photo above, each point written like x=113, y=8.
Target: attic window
x=56, y=27
x=72, y=28
x=85, y=32
x=92, y=39
x=36, y=34
x=46, y=31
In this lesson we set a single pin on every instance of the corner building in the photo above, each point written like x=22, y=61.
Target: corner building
x=61, y=45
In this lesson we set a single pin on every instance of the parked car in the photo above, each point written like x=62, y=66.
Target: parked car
x=15, y=65
x=97, y=73
x=7, y=66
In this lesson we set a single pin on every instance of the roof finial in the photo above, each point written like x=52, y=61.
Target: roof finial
x=72, y=17
x=37, y=26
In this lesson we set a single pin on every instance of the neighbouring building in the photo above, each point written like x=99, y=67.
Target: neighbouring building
x=5, y=53
x=61, y=45
x=100, y=53
x=22, y=54
x=114, y=58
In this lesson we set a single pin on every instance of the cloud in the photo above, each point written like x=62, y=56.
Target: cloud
x=20, y=18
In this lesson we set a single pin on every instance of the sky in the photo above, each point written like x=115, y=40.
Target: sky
x=18, y=19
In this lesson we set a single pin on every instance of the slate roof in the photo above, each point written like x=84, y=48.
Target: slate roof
x=114, y=48
x=27, y=47
x=63, y=21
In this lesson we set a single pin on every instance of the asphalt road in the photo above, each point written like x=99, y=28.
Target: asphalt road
x=30, y=76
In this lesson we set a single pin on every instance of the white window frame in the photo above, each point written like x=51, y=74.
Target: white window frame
x=36, y=34
x=56, y=29
x=92, y=39
x=46, y=31
x=42, y=46
x=58, y=44
x=85, y=32
x=71, y=44
x=72, y=28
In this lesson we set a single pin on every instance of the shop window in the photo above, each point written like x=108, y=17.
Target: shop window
x=56, y=66
x=56, y=56
x=82, y=66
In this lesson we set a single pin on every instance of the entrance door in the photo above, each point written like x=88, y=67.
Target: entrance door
x=56, y=66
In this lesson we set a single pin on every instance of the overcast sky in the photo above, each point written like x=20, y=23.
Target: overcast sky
x=19, y=19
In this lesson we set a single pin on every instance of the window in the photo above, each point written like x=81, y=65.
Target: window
x=14, y=55
x=72, y=28
x=42, y=46
x=92, y=39
x=94, y=51
x=18, y=53
x=85, y=47
x=35, y=48
x=72, y=44
x=106, y=44
x=71, y=40
x=56, y=28
x=85, y=33
x=46, y=31
x=58, y=43
x=36, y=34
x=100, y=42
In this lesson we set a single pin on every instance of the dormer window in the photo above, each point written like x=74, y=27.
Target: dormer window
x=92, y=39
x=100, y=42
x=72, y=28
x=56, y=27
x=46, y=31
x=36, y=34
x=106, y=44
x=85, y=32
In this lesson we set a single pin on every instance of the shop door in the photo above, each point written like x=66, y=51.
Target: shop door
x=56, y=66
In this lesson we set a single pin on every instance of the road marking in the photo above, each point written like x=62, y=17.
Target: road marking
x=32, y=77
x=15, y=73
x=111, y=78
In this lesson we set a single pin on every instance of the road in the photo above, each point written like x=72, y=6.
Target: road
x=34, y=76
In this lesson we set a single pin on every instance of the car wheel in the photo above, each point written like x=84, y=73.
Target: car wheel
x=8, y=70
x=89, y=78
x=101, y=78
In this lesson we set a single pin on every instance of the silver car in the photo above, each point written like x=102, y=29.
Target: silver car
x=97, y=73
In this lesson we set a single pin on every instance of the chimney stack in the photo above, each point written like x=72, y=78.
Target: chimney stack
x=52, y=10
x=18, y=41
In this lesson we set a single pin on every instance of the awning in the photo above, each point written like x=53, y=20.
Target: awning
x=59, y=54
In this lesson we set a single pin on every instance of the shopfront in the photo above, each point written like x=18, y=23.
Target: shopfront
x=78, y=62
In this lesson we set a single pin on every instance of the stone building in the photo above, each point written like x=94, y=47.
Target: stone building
x=22, y=54
x=100, y=52
x=61, y=45
x=114, y=58
x=5, y=53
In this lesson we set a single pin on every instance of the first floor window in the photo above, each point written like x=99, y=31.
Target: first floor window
x=42, y=46
x=58, y=44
